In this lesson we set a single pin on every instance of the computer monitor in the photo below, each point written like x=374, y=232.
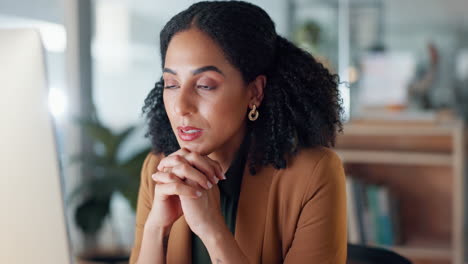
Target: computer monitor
x=32, y=217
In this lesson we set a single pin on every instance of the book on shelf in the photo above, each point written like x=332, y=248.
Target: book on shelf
x=372, y=214
x=354, y=235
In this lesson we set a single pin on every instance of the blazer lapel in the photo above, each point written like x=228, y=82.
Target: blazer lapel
x=179, y=249
x=251, y=212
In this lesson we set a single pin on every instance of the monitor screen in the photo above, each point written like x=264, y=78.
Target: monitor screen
x=32, y=220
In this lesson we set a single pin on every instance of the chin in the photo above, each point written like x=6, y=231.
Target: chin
x=196, y=147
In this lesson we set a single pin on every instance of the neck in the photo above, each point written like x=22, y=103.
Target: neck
x=226, y=154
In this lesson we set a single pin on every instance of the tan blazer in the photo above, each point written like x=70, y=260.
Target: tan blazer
x=293, y=215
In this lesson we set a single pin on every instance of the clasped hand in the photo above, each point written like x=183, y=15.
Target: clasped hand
x=186, y=183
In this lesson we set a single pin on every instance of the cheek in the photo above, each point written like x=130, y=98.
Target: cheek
x=224, y=116
x=167, y=103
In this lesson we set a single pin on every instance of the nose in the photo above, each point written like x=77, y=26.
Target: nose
x=184, y=101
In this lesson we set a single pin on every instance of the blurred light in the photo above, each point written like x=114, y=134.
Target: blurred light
x=343, y=56
x=53, y=35
x=353, y=74
x=111, y=45
x=462, y=64
x=57, y=102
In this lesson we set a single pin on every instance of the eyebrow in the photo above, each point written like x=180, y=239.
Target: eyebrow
x=197, y=71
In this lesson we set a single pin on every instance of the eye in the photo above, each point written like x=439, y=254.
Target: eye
x=206, y=83
x=206, y=87
x=169, y=84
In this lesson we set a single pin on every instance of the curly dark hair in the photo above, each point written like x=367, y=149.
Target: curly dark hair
x=301, y=106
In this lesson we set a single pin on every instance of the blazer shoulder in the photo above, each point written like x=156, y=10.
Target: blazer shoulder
x=310, y=169
x=309, y=158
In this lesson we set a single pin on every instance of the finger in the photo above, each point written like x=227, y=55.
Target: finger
x=182, y=152
x=218, y=167
x=164, y=190
x=205, y=165
x=165, y=177
x=202, y=163
x=186, y=171
x=171, y=161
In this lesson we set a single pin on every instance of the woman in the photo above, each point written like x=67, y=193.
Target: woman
x=240, y=124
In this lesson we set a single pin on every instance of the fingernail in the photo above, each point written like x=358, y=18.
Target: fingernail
x=199, y=193
x=224, y=176
x=152, y=176
x=209, y=184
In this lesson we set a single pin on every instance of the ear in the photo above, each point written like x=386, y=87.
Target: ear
x=257, y=88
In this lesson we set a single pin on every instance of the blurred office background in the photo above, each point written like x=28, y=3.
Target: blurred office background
x=403, y=67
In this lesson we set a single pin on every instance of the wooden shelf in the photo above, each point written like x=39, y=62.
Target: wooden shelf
x=426, y=252
x=374, y=151
x=398, y=130
x=395, y=157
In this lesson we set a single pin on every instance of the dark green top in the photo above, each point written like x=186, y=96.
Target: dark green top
x=229, y=194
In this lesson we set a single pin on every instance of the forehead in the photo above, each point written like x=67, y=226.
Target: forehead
x=194, y=47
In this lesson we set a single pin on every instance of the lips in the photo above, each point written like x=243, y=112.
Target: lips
x=188, y=133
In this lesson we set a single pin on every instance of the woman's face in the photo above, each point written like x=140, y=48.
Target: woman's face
x=205, y=97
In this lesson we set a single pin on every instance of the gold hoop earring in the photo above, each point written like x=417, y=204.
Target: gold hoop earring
x=253, y=114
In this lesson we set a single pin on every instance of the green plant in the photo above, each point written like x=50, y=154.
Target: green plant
x=308, y=36
x=106, y=174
